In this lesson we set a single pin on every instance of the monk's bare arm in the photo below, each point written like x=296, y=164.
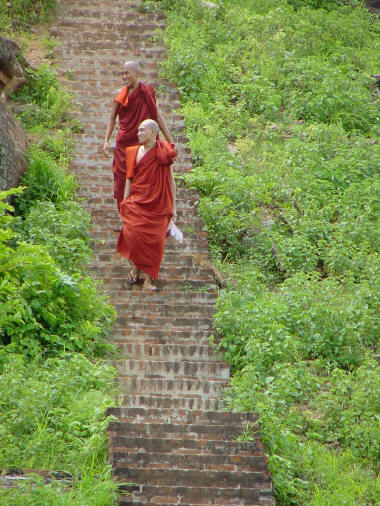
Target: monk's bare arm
x=174, y=192
x=163, y=126
x=127, y=190
x=110, y=127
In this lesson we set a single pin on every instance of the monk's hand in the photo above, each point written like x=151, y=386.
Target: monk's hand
x=106, y=148
x=174, y=216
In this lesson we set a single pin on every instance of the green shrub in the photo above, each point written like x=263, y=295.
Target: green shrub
x=282, y=116
x=52, y=418
x=45, y=102
x=45, y=180
x=43, y=307
x=22, y=13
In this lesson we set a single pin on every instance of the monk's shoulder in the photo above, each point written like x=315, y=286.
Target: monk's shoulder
x=116, y=93
x=149, y=88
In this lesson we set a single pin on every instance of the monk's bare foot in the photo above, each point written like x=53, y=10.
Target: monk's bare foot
x=148, y=286
x=133, y=276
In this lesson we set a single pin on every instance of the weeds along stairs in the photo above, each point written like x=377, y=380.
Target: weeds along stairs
x=172, y=442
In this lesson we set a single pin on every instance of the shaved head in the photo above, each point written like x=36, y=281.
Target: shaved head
x=151, y=124
x=134, y=65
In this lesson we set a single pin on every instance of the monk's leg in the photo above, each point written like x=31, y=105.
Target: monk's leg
x=133, y=275
x=148, y=285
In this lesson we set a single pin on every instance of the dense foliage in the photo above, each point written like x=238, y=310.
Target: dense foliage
x=19, y=14
x=55, y=378
x=282, y=115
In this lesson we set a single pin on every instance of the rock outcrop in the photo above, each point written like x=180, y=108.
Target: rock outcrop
x=12, y=137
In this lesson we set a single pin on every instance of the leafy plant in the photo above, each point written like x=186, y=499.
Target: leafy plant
x=282, y=118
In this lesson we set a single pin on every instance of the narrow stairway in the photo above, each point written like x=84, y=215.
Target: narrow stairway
x=172, y=442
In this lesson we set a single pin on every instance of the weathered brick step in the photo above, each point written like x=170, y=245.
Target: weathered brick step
x=154, y=320
x=120, y=44
x=90, y=161
x=156, y=335
x=107, y=253
x=190, y=245
x=97, y=189
x=121, y=340
x=93, y=77
x=86, y=22
x=133, y=310
x=171, y=256
x=211, y=431
x=181, y=416
x=103, y=185
x=191, y=496
x=177, y=297
x=97, y=7
x=168, y=263
x=130, y=31
x=177, y=402
x=185, y=219
x=184, y=369
x=187, y=477
x=165, y=284
x=195, y=446
x=101, y=220
x=110, y=60
x=211, y=388
x=220, y=462
x=188, y=249
x=166, y=270
x=100, y=115
x=170, y=351
x=74, y=16
x=107, y=87
x=102, y=105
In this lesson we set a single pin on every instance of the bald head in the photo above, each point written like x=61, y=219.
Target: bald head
x=151, y=125
x=147, y=133
x=132, y=65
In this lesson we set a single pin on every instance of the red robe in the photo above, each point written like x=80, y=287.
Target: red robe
x=132, y=110
x=147, y=211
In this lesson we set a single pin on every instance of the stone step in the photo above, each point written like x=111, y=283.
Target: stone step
x=173, y=370
x=210, y=388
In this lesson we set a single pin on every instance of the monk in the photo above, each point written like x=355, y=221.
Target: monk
x=133, y=104
x=149, y=203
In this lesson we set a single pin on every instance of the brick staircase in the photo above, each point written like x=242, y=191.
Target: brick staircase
x=172, y=442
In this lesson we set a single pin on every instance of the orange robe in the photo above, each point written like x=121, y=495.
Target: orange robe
x=132, y=110
x=147, y=211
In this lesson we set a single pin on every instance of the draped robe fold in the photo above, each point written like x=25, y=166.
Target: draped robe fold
x=147, y=211
x=132, y=110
